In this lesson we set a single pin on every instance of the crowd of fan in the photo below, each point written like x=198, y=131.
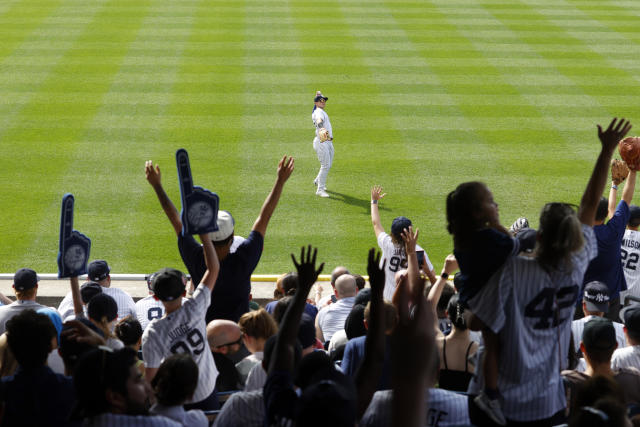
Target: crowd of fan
x=500, y=347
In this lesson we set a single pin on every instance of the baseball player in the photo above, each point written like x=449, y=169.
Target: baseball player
x=183, y=327
x=393, y=246
x=630, y=254
x=322, y=143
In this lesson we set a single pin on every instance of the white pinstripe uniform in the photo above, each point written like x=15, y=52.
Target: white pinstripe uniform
x=630, y=255
x=396, y=260
x=126, y=306
x=148, y=309
x=184, y=331
x=444, y=408
x=324, y=150
x=531, y=311
x=577, y=327
x=242, y=409
x=628, y=357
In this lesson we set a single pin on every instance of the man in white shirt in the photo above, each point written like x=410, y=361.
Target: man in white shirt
x=331, y=319
x=629, y=357
x=25, y=285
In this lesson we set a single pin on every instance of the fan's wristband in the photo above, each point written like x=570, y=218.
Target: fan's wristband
x=374, y=202
x=614, y=186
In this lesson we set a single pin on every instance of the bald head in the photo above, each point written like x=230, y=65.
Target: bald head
x=337, y=272
x=346, y=286
x=223, y=336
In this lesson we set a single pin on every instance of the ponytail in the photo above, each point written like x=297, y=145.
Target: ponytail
x=560, y=236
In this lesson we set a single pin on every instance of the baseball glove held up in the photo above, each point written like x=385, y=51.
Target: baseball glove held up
x=619, y=171
x=323, y=134
x=630, y=151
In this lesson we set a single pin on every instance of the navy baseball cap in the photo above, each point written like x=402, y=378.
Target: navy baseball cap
x=600, y=334
x=168, y=284
x=98, y=270
x=319, y=97
x=596, y=296
x=630, y=316
x=24, y=279
x=89, y=290
x=399, y=224
x=102, y=305
x=634, y=214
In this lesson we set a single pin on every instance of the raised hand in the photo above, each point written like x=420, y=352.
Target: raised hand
x=450, y=264
x=285, y=168
x=410, y=239
x=614, y=133
x=74, y=246
x=199, y=213
x=377, y=193
x=376, y=273
x=307, y=273
x=152, y=174
x=79, y=332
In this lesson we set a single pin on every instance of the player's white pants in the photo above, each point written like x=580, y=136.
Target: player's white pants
x=324, y=150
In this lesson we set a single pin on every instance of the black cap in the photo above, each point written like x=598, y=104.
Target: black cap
x=596, y=296
x=168, y=284
x=24, y=279
x=634, y=214
x=630, y=316
x=599, y=334
x=319, y=96
x=102, y=305
x=98, y=270
x=306, y=332
x=399, y=224
x=89, y=290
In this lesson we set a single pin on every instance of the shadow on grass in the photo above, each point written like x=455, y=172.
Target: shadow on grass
x=354, y=201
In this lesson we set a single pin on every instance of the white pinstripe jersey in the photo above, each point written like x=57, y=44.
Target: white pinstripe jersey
x=630, y=255
x=148, y=309
x=242, y=409
x=444, y=408
x=531, y=311
x=628, y=357
x=577, y=327
x=396, y=260
x=126, y=306
x=320, y=116
x=184, y=331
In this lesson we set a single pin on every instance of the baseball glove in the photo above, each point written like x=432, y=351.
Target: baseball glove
x=630, y=151
x=619, y=171
x=323, y=134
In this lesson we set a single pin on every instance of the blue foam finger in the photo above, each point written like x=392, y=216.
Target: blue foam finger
x=199, y=212
x=74, y=246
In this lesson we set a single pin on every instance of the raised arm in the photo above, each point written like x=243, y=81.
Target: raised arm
x=285, y=169
x=76, y=297
x=609, y=140
x=416, y=284
x=612, y=201
x=154, y=177
x=368, y=374
x=282, y=359
x=629, y=187
x=450, y=265
x=211, y=260
x=376, y=194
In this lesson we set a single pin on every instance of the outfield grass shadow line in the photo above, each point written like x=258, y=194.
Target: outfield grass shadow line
x=354, y=201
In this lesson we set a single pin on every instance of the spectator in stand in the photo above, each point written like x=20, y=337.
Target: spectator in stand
x=607, y=266
x=233, y=286
x=257, y=327
x=597, y=345
x=99, y=271
x=331, y=319
x=77, y=338
x=392, y=246
x=103, y=312
x=599, y=404
x=511, y=305
x=595, y=303
x=183, y=328
x=129, y=331
x=35, y=395
x=630, y=253
x=629, y=357
x=323, y=301
x=54, y=361
x=112, y=392
x=173, y=385
x=225, y=340
x=25, y=285
x=353, y=325
x=149, y=307
x=289, y=285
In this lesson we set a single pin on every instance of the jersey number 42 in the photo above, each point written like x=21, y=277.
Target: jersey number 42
x=541, y=307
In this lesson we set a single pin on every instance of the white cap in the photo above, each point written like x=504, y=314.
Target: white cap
x=225, y=227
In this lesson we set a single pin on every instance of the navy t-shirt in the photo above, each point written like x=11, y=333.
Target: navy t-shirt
x=230, y=295
x=607, y=266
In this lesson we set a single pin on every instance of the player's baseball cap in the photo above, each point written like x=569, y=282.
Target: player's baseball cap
x=634, y=215
x=630, y=316
x=168, y=284
x=88, y=290
x=319, y=96
x=98, y=270
x=225, y=227
x=399, y=224
x=102, y=305
x=599, y=334
x=24, y=279
x=596, y=296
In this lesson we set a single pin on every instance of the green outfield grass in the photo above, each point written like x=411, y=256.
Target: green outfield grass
x=422, y=95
